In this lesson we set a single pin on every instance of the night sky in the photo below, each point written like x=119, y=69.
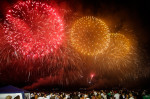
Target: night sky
x=132, y=14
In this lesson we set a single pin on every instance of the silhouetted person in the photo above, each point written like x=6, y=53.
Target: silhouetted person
x=17, y=97
x=75, y=96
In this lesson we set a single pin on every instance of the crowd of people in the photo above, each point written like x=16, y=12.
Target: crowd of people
x=103, y=94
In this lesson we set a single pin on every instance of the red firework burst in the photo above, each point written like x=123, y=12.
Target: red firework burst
x=34, y=29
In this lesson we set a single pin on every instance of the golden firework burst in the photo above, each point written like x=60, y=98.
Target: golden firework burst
x=89, y=35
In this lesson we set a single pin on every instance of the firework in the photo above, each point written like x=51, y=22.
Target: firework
x=89, y=35
x=34, y=29
x=120, y=52
x=119, y=46
x=120, y=59
x=63, y=62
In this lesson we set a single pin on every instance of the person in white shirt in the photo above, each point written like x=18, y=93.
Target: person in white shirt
x=117, y=95
x=104, y=96
x=45, y=96
x=67, y=96
x=32, y=95
x=95, y=93
x=85, y=96
x=131, y=96
x=79, y=95
x=40, y=96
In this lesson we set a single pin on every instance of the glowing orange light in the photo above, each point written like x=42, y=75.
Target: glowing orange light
x=89, y=35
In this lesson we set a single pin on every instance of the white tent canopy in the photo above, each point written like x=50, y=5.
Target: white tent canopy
x=13, y=91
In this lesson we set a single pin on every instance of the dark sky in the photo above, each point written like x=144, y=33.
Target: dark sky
x=135, y=11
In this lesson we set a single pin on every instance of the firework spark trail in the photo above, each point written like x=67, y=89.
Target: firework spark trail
x=64, y=66
x=121, y=58
x=66, y=61
x=34, y=29
x=7, y=52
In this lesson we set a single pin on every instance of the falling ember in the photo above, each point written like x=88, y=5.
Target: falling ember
x=34, y=29
x=89, y=35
